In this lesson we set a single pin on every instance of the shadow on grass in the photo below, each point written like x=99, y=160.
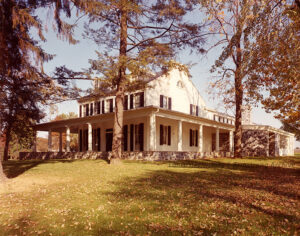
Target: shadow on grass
x=249, y=167
x=13, y=169
x=236, y=190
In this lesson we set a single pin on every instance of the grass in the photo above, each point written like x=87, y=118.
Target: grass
x=254, y=196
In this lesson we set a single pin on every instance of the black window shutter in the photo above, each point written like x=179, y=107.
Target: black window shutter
x=141, y=136
x=80, y=140
x=161, y=101
x=131, y=101
x=111, y=105
x=86, y=140
x=87, y=110
x=191, y=138
x=98, y=107
x=126, y=102
x=80, y=111
x=170, y=104
x=92, y=109
x=125, y=137
x=191, y=109
x=169, y=135
x=99, y=138
x=161, y=133
x=196, y=138
x=197, y=111
x=131, y=137
x=103, y=107
x=142, y=99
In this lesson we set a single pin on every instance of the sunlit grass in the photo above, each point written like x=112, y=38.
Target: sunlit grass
x=89, y=197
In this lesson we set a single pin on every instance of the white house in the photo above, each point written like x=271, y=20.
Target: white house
x=169, y=118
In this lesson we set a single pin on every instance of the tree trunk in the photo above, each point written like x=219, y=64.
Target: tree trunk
x=6, y=147
x=238, y=117
x=238, y=98
x=2, y=175
x=119, y=106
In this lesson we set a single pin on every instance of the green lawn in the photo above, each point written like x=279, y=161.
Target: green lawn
x=89, y=197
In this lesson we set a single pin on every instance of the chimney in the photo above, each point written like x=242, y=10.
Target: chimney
x=246, y=115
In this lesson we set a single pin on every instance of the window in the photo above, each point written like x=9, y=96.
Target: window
x=80, y=111
x=139, y=137
x=139, y=100
x=194, y=110
x=136, y=137
x=165, y=135
x=165, y=102
x=179, y=84
x=110, y=104
x=193, y=138
x=135, y=100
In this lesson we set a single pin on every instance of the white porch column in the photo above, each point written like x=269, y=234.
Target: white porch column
x=152, y=133
x=230, y=141
x=49, y=141
x=217, y=140
x=90, y=137
x=179, y=136
x=60, y=142
x=68, y=139
x=200, y=138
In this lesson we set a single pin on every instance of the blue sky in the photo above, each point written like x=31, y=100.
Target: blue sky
x=76, y=57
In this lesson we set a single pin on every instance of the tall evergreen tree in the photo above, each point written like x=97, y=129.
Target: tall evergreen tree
x=23, y=82
x=140, y=38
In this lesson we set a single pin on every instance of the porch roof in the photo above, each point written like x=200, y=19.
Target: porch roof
x=73, y=123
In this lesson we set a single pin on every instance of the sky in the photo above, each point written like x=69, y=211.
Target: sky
x=76, y=57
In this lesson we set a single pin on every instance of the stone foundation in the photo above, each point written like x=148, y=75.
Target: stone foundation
x=146, y=156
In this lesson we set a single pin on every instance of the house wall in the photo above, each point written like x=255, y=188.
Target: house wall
x=179, y=87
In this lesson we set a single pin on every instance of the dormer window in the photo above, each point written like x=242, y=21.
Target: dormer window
x=165, y=102
x=179, y=84
x=194, y=110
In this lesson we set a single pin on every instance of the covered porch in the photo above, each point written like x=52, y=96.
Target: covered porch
x=146, y=130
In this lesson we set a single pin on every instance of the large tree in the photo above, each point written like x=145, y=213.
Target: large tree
x=24, y=85
x=277, y=48
x=140, y=38
x=240, y=26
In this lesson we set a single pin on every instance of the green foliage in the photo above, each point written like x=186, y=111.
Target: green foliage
x=255, y=196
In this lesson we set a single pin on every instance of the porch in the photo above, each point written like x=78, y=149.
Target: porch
x=146, y=130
